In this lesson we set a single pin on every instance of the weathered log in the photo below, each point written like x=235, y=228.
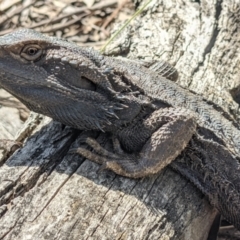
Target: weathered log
x=46, y=193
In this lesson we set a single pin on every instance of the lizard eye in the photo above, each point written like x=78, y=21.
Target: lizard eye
x=31, y=52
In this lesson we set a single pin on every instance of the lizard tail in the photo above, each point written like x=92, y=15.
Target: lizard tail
x=216, y=172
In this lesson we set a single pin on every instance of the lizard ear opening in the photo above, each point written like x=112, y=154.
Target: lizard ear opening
x=83, y=83
x=31, y=52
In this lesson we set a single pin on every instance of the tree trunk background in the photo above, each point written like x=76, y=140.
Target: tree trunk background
x=46, y=193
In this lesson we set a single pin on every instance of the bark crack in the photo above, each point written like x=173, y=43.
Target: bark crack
x=213, y=38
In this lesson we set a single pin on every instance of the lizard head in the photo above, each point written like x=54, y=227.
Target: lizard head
x=32, y=54
x=57, y=78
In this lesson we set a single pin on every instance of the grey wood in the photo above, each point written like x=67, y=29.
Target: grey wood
x=46, y=193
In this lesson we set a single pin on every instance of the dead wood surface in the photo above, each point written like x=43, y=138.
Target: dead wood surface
x=46, y=193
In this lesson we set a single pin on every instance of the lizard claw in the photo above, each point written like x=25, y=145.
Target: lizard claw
x=73, y=151
x=102, y=168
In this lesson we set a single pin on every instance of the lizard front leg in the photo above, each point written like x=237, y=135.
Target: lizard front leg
x=166, y=132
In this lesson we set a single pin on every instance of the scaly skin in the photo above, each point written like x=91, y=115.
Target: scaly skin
x=154, y=122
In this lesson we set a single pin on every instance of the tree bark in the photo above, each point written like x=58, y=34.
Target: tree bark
x=47, y=193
